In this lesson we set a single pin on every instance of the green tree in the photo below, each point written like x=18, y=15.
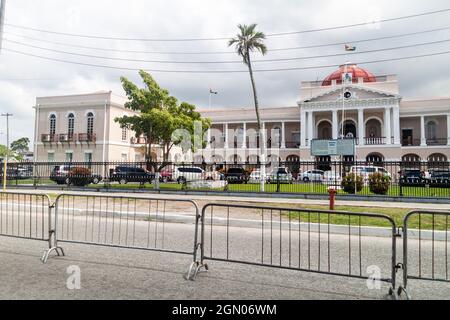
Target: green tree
x=160, y=114
x=11, y=155
x=247, y=41
x=21, y=145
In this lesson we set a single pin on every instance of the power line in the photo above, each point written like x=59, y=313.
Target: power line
x=230, y=61
x=223, y=38
x=221, y=71
x=230, y=52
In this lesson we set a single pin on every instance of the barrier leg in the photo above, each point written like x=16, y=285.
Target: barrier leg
x=52, y=246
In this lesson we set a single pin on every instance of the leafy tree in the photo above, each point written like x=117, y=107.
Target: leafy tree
x=160, y=114
x=12, y=155
x=247, y=41
x=21, y=145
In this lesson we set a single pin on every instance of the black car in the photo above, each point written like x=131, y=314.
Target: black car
x=125, y=174
x=412, y=176
x=439, y=177
x=236, y=175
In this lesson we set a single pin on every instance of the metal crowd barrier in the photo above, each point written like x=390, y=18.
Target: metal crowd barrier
x=425, y=247
x=325, y=242
x=127, y=222
x=26, y=215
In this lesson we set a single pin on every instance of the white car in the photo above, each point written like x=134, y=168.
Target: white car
x=332, y=178
x=366, y=171
x=280, y=175
x=185, y=174
x=312, y=175
x=255, y=176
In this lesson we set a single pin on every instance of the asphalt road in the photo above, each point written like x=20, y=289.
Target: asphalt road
x=113, y=273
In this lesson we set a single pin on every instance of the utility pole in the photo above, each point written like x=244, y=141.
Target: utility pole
x=5, y=161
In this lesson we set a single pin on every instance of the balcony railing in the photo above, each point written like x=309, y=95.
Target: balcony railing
x=429, y=142
x=374, y=141
x=437, y=142
x=140, y=140
x=87, y=137
x=48, y=138
x=65, y=137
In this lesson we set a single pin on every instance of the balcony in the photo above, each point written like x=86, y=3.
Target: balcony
x=437, y=142
x=48, y=138
x=409, y=142
x=140, y=140
x=374, y=141
x=87, y=137
x=67, y=138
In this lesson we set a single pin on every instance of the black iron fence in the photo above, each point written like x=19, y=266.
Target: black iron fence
x=393, y=179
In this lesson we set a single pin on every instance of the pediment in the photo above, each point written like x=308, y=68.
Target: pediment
x=358, y=93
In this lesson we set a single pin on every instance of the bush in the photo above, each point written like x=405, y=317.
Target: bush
x=79, y=176
x=348, y=183
x=379, y=183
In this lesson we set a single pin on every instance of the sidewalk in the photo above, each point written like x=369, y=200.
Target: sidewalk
x=256, y=200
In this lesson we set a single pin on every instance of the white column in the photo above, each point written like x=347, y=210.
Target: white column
x=303, y=129
x=387, y=125
x=208, y=139
x=310, y=127
x=244, y=136
x=335, y=124
x=226, y=135
x=283, y=135
x=423, y=139
x=396, y=126
x=448, y=129
x=361, y=131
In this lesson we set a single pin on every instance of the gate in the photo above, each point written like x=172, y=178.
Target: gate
x=425, y=247
x=127, y=222
x=325, y=242
x=26, y=216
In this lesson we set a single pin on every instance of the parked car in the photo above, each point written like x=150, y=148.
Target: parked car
x=166, y=175
x=280, y=175
x=214, y=175
x=236, y=175
x=332, y=178
x=439, y=177
x=255, y=176
x=185, y=174
x=59, y=174
x=67, y=175
x=411, y=176
x=366, y=171
x=312, y=175
x=125, y=174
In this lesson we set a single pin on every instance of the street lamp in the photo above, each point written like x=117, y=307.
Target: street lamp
x=5, y=162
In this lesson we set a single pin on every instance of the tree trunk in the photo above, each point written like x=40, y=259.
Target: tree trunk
x=262, y=138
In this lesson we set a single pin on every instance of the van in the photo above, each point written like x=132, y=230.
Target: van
x=185, y=174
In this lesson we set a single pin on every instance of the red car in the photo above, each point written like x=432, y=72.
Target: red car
x=166, y=175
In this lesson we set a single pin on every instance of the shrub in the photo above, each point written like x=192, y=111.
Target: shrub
x=79, y=176
x=379, y=183
x=348, y=183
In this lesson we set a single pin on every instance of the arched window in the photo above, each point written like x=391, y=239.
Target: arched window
x=431, y=130
x=70, y=124
x=90, y=124
x=52, y=124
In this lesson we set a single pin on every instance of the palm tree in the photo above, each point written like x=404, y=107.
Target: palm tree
x=247, y=41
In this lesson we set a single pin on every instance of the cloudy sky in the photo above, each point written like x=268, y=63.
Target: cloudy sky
x=23, y=78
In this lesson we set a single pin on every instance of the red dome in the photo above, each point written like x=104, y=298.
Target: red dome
x=356, y=71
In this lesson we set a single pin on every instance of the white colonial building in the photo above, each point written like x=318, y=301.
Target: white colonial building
x=81, y=128
x=367, y=108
